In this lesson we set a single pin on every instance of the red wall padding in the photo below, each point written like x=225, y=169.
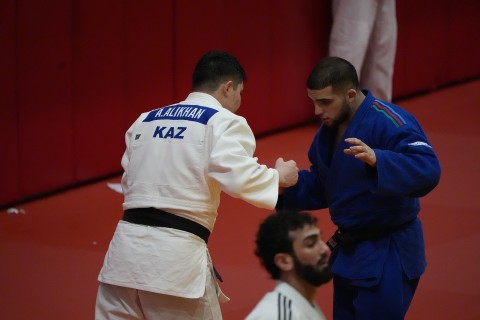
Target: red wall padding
x=277, y=43
x=463, y=49
x=421, y=46
x=9, y=161
x=98, y=80
x=44, y=96
x=75, y=74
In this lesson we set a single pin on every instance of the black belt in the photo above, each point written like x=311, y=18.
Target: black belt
x=159, y=218
x=348, y=238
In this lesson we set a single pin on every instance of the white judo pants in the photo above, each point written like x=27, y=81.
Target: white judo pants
x=115, y=303
x=364, y=32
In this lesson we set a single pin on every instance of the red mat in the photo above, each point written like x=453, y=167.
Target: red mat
x=51, y=254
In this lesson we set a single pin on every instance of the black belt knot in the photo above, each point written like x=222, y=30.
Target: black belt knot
x=348, y=238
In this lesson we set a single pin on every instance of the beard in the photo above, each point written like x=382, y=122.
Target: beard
x=343, y=115
x=311, y=273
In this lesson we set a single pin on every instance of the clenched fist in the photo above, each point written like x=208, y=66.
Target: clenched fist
x=288, y=172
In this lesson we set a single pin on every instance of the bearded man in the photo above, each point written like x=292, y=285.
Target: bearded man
x=290, y=247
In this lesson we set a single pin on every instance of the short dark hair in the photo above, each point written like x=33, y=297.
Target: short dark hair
x=273, y=236
x=214, y=68
x=335, y=72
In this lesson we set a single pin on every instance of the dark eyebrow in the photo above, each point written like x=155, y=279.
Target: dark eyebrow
x=312, y=237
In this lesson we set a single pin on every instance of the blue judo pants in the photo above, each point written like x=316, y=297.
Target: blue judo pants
x=388, y=300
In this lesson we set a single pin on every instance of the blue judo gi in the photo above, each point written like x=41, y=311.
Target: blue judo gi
x=375, y=278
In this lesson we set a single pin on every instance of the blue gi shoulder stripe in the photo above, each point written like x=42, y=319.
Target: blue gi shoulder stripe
x=389, y=113
x=187, y=112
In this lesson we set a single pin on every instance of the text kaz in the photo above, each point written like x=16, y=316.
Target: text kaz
x=169, y=132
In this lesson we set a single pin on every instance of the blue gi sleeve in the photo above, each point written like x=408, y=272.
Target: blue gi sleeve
x=305, y=195
x=308, y=193
x=408, y=166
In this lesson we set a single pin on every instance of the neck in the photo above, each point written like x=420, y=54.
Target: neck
x=359, y=97
x=354, y=105
x=305, y=289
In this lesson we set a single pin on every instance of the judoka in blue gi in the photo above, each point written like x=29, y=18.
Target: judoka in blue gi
x=370, y=163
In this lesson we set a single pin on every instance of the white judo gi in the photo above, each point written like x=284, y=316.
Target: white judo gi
x=179, y=158
x=285, y=303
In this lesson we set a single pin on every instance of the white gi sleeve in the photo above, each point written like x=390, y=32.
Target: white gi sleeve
x=233, y=166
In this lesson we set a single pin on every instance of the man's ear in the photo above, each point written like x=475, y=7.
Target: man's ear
x=351, y=95
x=226, y=87
x=283, y=261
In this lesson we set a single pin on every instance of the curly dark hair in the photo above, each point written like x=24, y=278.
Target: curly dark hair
x=273, y=236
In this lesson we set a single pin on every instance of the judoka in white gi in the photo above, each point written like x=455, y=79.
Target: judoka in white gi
x=178, y=160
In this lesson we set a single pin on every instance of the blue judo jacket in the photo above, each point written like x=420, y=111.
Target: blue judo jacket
x=359, y=196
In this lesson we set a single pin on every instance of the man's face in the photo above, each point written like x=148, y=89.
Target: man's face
x=332, y=109
x=310, y=256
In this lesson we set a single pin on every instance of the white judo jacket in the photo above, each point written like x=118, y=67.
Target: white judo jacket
x=179, y=158
x=285, y=303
